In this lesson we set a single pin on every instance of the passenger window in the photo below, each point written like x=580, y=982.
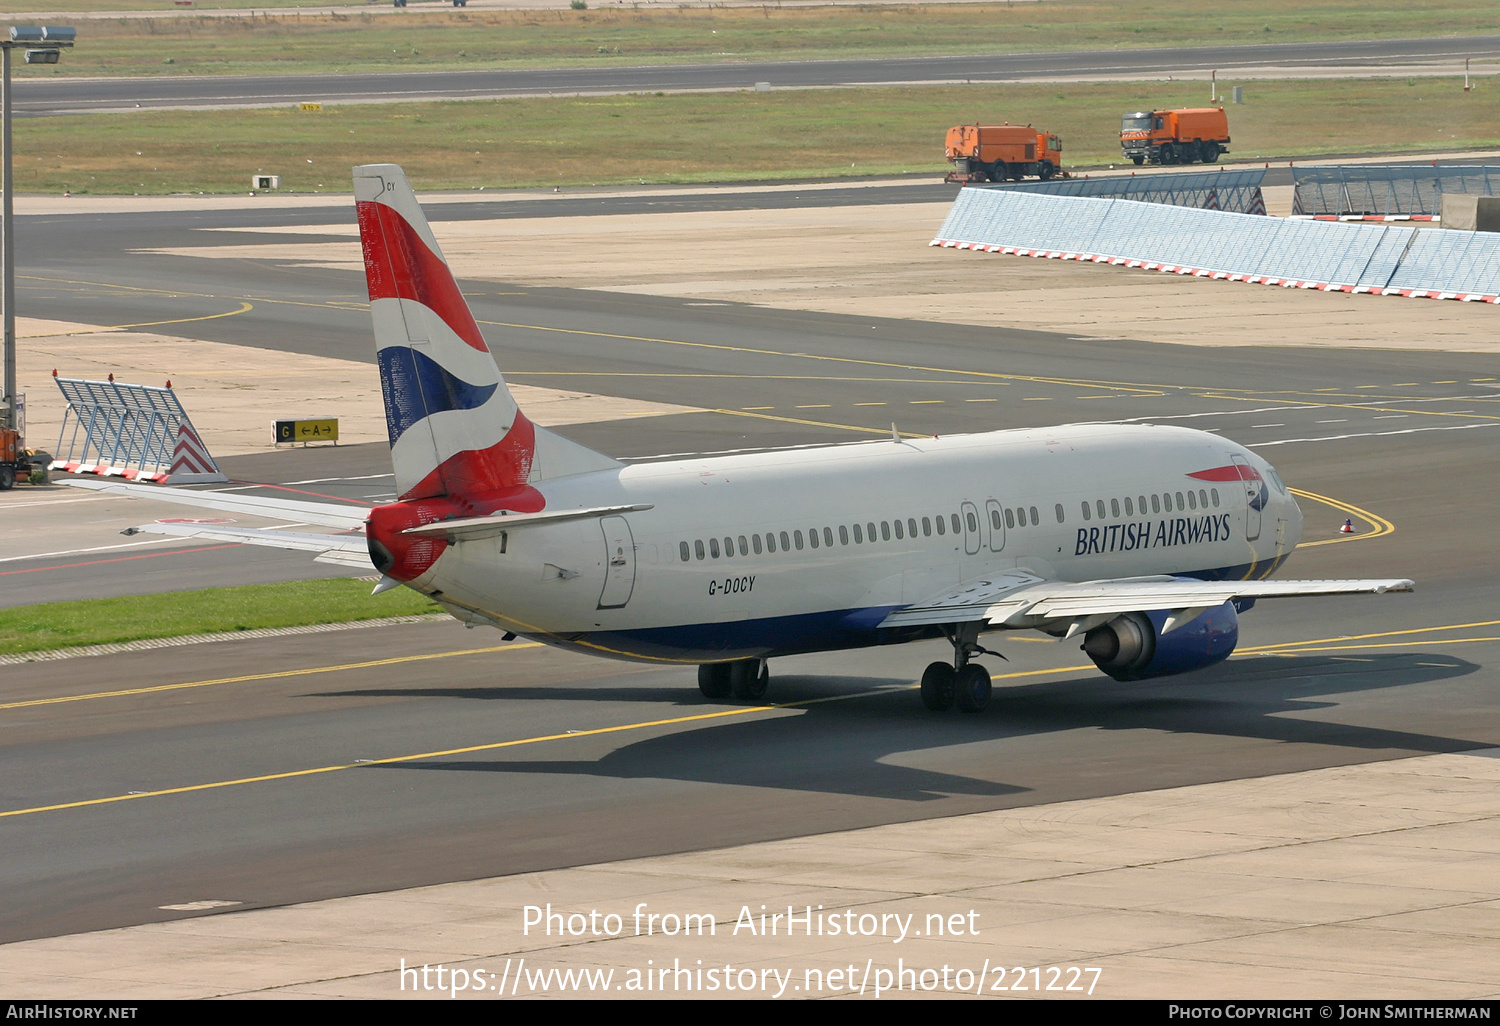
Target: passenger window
x=1035, y=520
x=843, y=535
x=1202, y=498
x=899, y=534
x=1099, y=505
x=995, y=519
x=828, y=536
x=1114, y=508
x=885, y=531
x=682, y=550
x=1192, y=500
x=1166, y=501
x=699, y=546
x=797, y=540
x=713, y=547
x=940, y=525
x=1129, y=507
x=911, y=526
x=1155, y=503
x=1143, y=505
x=786, y=543
x=870, y=529
x=973, y=523
x=1215, y=494
x=812, y=537
x=1060, y=518
x=1010, y=518
x=755, y=540
x=1086, y=514
x=728, y=547
x=859, y=536
x=926, y=527
x=1180, y=506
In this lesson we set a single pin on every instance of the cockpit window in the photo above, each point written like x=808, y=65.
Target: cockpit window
x=1276, y=479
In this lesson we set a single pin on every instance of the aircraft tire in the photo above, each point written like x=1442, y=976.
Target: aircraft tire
x=749, y=679
x=938, y=682
x=972, y=688
x=713, y=680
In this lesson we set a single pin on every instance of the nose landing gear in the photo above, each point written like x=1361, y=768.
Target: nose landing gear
x=964, y=684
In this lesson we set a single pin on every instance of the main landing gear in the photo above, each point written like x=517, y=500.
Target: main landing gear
x=964, y=684
x=744, y=679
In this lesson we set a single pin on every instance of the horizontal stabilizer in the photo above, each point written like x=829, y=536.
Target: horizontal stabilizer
x=474, y=528
x=324, y=514
x=343, y=550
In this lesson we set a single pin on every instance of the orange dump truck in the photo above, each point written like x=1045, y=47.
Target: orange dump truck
x=1175, y=136
x=997, y=152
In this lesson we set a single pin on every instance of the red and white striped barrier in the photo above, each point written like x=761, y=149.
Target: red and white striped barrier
x=105, y=470
x=1254, y=279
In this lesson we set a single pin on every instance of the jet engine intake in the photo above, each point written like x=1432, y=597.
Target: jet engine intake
x=1133, y=647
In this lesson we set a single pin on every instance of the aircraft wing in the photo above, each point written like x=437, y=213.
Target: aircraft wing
x=342, y=550
x=324, y=514
x=1021, y=599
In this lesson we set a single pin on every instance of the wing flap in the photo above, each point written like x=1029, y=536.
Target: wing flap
x=1023, y=600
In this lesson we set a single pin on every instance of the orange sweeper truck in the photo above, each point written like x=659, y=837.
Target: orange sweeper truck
x=998, y=152
x=1175, y=136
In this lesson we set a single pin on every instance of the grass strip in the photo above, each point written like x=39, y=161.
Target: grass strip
x=387, y=39
x=700, y=137
x=111, y=621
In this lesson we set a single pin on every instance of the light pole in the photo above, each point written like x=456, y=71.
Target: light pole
x=42, y=46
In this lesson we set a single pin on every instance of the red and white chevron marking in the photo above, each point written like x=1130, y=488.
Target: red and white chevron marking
x=1286, y=283
x=191, y=455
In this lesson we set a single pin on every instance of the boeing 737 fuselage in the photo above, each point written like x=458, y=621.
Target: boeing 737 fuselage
x=1143, y=542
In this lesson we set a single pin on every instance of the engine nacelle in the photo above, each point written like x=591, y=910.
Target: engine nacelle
x=1132, y=646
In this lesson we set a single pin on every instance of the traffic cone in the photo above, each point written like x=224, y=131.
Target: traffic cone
x=1348, y=527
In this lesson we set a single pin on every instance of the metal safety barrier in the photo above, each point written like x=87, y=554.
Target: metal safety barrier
x=1404, y=190
x=1208, y=190
x=132, y=431
x=1349, y=257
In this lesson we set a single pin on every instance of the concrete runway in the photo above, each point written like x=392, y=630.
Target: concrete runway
x=259, y=800
x=1435, y=55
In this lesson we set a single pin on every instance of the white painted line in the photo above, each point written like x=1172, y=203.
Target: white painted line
x=50, y=502
x=1370, y=434
x=84, y=552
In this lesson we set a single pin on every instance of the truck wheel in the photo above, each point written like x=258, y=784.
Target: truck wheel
x=7, y=477
x=1045, y=170
x=1139, y=159
x=1210, y=152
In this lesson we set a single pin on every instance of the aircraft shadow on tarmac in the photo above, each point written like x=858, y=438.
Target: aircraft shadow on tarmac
x=847, y=747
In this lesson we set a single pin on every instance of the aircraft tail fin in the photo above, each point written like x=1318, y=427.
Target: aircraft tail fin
x=454, y=428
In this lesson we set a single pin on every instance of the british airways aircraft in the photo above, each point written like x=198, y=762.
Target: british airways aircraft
x=1144, y=542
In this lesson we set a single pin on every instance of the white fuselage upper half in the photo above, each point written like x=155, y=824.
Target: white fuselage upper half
x=789, y=551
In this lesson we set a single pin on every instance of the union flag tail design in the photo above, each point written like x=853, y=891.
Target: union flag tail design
x=454, y=428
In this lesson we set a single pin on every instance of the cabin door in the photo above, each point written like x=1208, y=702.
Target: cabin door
x=619, y=563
